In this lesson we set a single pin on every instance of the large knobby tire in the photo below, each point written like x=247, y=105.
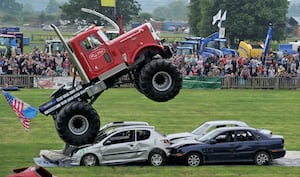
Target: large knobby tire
x=89, y=160
x=160, y=80
x=262, y=158
x=157, y=157
x=194, y=159
x=78, y=123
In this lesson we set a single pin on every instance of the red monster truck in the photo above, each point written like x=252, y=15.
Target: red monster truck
x=100, y=63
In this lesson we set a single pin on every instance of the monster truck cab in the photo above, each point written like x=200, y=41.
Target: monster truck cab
x=103, y=58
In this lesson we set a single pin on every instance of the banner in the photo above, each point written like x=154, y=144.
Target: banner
x=108, y=3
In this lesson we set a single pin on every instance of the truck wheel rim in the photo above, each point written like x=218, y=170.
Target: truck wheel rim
x=162, y=81
x=78, y=124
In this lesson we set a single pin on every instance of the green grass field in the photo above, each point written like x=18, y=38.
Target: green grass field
x=277, y=110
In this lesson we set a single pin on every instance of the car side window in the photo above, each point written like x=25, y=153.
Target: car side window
x=224, y=137
x=142, y=135
x=122, y=137
x=244, y=135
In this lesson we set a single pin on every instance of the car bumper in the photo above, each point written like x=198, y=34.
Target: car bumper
x=176, y=158
x=278, y=153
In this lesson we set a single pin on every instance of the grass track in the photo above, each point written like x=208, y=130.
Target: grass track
x=277, y=110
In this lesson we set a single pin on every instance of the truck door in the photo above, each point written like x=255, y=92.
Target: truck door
x=96, y=55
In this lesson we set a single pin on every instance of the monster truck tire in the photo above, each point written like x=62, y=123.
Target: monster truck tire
x=78, y=123
x=160, y=80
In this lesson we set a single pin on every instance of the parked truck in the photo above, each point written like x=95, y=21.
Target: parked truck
x=11, y=41
x=100, y=62
x=248, y=50
x=208, y=46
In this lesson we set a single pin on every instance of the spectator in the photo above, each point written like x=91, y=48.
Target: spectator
x=66, y=65
x=271, y=71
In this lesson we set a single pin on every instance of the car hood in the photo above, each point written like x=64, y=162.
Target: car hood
x=179, y=135
x=184, y=143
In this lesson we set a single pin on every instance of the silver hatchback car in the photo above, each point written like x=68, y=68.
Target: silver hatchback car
x=204, y=129
x=124, y=145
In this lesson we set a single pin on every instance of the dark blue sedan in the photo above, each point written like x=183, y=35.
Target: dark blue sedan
x=230, y=144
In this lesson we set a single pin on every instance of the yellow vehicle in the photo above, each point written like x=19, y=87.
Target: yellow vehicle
x=250, y=50
x=256, y=50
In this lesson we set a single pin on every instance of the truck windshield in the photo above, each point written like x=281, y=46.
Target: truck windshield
x=103, y=36
x=4, y=41
x=217, y=44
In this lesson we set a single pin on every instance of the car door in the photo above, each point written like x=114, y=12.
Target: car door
x=221, y=148
x=143, y=144
x=246, y=145
x=119, y=147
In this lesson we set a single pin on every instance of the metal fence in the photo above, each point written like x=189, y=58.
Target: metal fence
x=27, y=81
x=261, y=83
x=21, y=81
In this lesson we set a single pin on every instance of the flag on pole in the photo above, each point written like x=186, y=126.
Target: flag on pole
x=24, y=111
x=224, y=16
x=217, y=17
x=108, y=3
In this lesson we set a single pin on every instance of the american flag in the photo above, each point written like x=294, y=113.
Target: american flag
x=24, y=111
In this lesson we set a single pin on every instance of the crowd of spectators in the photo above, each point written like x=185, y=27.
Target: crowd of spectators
x=41, y=63
x=232, y=65
x=36, y=63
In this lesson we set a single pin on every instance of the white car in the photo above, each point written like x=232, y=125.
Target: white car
x=204, y=129
x=114, y=145
x=124, y=145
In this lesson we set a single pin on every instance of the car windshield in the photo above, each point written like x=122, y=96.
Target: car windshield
x=103, y=134
x=208, y=136
x=200, y=130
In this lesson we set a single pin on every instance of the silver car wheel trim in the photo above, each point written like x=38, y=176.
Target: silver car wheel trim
x=262, y=159
x=194, y=160
x=156, y=159
x=78, y=120
x=162, y=81
x=89, y=160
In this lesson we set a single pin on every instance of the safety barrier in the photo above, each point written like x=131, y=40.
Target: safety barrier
x=261, y=83
x=28, y=81
x=21, y=81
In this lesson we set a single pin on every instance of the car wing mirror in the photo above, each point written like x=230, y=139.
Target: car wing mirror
x=213, y=141
x=108, y=142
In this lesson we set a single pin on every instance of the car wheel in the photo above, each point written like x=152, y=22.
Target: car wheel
x=78, y=123
x=157, y=158
x=262, y=158
x=89, y=160
x=160, y=80
x=194, y=159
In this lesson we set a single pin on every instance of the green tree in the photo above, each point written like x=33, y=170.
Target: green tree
x=11, y=7
x=52, y=7
x=142, y=17
x=27, y=9
x=161, y=13
x=245, y=19
x=128, y=9
x=176, y=10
